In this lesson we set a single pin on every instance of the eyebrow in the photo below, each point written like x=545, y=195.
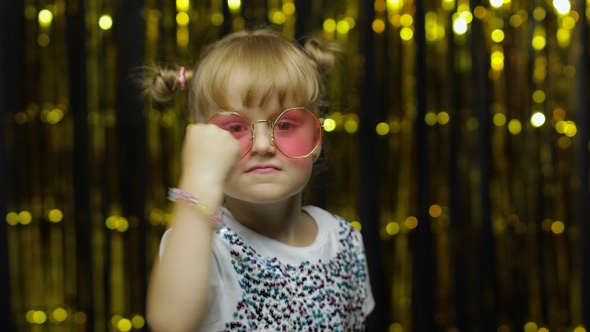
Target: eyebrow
x=273, y=116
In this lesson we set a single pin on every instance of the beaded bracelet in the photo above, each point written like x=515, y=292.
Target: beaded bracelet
x=175, y=194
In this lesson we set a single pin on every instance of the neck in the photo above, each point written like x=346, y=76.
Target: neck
x=283, y=221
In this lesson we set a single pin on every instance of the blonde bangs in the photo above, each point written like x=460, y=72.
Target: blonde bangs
x=255, y=67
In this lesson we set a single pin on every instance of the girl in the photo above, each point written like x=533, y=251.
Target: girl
x=243, y=253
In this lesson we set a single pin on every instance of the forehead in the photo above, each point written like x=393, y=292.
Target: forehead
x=247, y=91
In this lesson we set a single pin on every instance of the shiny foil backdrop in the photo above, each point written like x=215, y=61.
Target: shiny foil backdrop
x=457, y=141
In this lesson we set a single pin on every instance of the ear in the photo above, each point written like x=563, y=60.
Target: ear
x=316, y=153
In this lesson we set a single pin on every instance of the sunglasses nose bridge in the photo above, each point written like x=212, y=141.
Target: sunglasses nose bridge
x=270, y=130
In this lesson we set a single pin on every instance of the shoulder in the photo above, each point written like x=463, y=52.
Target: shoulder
x=322, y=215
x=334, y=223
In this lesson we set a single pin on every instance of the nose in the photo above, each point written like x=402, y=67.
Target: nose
x=263, y=141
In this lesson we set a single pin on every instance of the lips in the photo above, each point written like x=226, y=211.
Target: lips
x=263, y=169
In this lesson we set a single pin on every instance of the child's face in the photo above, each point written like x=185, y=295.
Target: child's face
x=264, y=174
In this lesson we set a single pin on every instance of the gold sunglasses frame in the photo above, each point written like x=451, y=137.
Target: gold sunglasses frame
x=272, y=129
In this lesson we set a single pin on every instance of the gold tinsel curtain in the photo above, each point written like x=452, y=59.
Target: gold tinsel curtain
x=458, y=143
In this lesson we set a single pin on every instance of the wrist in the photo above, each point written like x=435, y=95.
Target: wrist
x=181, y=196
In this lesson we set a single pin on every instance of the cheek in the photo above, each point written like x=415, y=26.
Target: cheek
x=241, y=163
x=302, y=166
x=306, y=162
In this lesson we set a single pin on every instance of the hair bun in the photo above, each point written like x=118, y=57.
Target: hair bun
x=322, y=53
x=161, y=82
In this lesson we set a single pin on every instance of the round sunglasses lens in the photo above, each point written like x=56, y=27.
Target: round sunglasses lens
x=235, y=125
x=297, y=133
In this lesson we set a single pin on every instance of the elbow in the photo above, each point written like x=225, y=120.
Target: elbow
x=175, y=309
x=172, y=318
x=159, y=322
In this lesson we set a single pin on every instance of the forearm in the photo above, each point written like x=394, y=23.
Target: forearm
x=179, y=284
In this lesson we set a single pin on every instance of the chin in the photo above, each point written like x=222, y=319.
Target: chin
x=265, y=196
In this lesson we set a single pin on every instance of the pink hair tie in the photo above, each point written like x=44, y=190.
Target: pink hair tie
x=181, y=79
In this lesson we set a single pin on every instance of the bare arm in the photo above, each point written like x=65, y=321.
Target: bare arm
x=178, y=291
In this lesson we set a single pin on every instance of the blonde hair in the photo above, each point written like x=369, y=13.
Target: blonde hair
x=267, y=64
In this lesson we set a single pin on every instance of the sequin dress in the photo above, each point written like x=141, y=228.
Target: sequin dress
x=260, y=284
